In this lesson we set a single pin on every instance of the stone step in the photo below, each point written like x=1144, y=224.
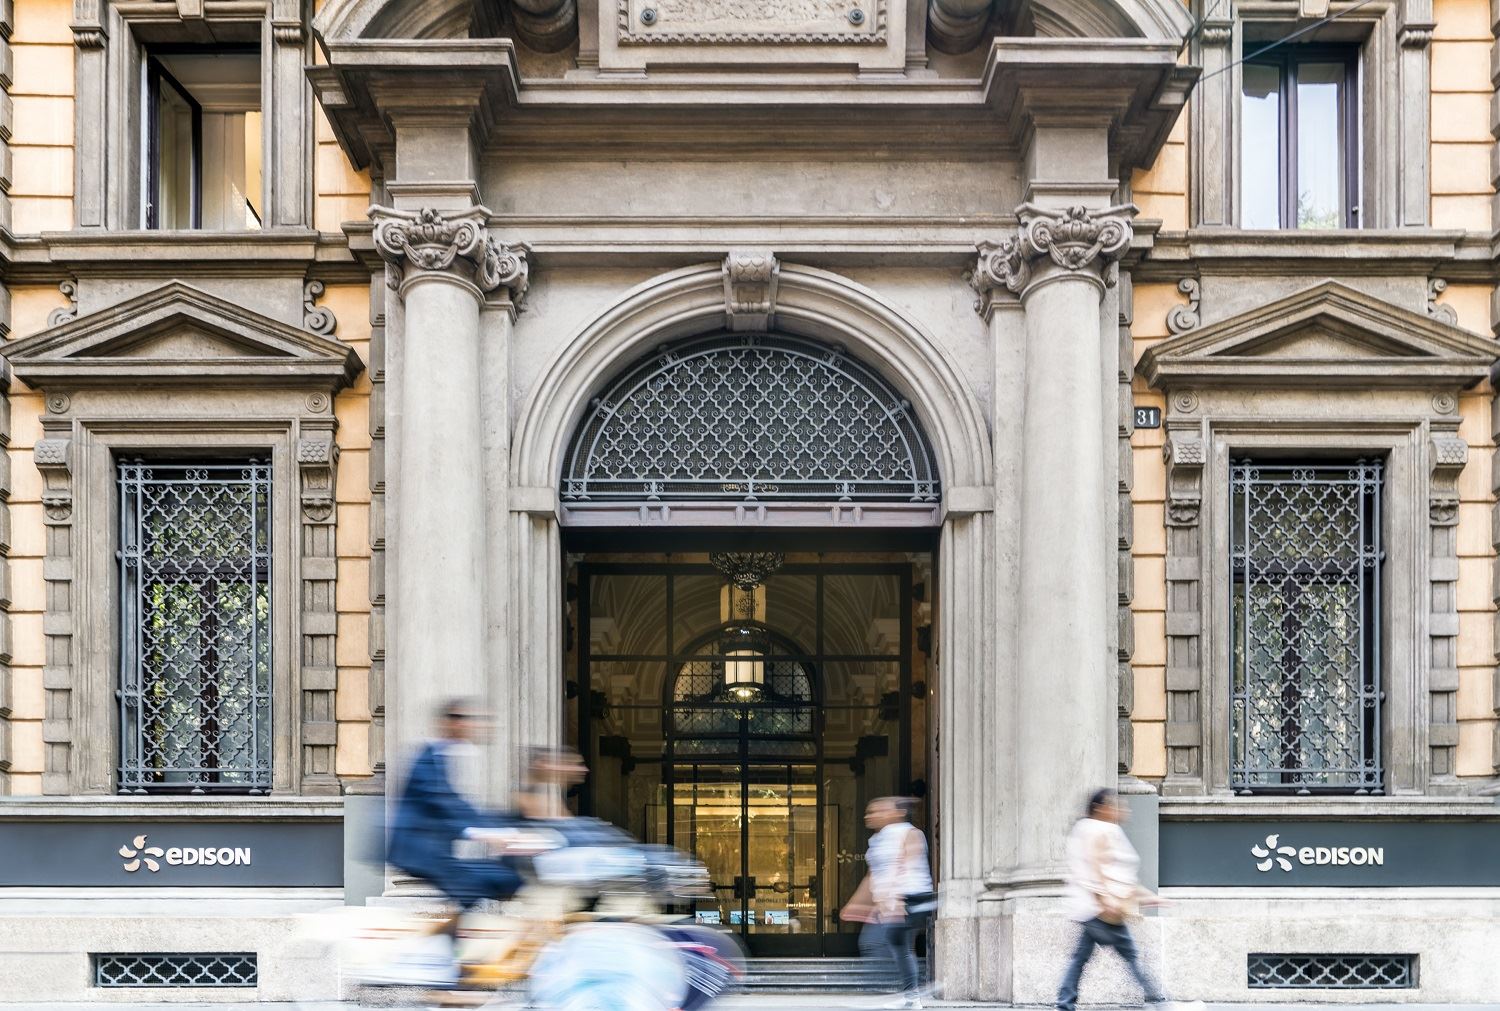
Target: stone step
x=819, y=975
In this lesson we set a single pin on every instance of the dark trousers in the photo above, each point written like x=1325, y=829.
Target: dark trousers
x=1096, y=933
x=892, y=940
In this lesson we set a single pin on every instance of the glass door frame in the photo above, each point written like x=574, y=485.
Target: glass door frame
x=816, y=659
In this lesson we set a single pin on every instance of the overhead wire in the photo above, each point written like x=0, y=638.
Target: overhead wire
x=1329, y=19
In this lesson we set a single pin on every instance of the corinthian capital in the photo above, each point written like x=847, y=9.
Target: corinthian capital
x=430, y=241
x=1072, y=241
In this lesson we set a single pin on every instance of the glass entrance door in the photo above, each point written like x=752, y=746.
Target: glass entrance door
x=755, y=827
x=752, y=737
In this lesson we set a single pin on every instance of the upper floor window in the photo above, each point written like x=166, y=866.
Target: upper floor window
x=203, y=139
x=1305, y=560
x=1299, y=138
x=195, y=624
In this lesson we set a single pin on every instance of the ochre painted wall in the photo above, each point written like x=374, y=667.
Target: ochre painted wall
x=29, y=307
x=1148, y=498
x=41, y=190
x=351, y=305
x=1461, y=90
x=1161, y=191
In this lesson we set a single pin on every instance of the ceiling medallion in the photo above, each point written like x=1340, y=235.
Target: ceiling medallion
x=746, y=569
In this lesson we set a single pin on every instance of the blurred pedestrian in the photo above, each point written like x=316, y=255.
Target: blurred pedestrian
x=1103, y=893
x=896, y=897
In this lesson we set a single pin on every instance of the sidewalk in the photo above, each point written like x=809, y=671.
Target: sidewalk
x=791, y=1002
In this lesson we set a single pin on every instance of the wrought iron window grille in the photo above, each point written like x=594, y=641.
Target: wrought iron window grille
x=175, y=969
x=1305, y=571
x=1331, y=972
x=749, y=418
x=195, y=627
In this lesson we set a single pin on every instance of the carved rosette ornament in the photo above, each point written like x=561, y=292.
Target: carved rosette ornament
x=430, y=241
x=1074, y=241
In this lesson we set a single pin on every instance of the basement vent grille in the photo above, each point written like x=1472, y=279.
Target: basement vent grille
x=1332, y=972
x=205, y=969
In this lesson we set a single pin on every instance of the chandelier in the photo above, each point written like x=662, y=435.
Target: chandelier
x=745, y=669
x=746, y=569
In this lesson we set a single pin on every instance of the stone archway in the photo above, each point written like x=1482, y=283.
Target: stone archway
x=752, y=292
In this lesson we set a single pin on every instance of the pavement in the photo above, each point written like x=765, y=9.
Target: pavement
x=791, y=1002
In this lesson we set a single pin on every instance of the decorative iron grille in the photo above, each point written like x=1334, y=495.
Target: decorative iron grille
x=1305, y=547
x=1332, y=972
x=748, y=418
x=195, y=609
x=741, y=693
x=216, y=969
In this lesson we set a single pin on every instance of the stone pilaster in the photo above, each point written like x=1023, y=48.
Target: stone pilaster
x=317, y=463
x=445, y=269
x=1450, y=453
x=1059, y=263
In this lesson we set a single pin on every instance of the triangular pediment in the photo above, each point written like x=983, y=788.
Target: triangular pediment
x=1329, y=336
x=179, y=335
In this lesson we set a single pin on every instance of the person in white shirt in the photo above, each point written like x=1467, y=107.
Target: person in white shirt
x=1102, y=893
x=896, y=896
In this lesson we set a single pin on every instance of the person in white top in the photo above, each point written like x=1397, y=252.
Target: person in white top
x=896, y=897
x=1102, y=893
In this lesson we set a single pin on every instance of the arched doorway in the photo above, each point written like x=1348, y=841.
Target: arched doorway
x=745, y=705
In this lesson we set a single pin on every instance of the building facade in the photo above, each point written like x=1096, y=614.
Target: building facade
x=787, y=405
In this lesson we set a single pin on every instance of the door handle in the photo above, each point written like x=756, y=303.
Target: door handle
x=744, y=887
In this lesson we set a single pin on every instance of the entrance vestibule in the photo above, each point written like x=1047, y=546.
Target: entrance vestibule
x=749, y=720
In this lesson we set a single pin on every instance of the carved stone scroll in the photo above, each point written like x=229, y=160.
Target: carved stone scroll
x=1183, y=318
x=318, y=319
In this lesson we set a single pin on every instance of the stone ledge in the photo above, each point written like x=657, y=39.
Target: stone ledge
x=171, y=808
x=1310, y=808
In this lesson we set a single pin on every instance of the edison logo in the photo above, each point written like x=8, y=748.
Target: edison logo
x=132, y=855
x=153, y=857
x=1273, y=854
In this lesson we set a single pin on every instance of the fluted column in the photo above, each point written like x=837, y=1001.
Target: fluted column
x=445, y=269
x=1060, y=263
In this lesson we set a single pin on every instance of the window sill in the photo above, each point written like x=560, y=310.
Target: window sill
x=233, y=808
x=1214, y=808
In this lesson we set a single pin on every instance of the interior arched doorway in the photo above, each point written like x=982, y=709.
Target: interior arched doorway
x=843, y=438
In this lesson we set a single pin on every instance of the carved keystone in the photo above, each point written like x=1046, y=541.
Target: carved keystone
x=750, y=277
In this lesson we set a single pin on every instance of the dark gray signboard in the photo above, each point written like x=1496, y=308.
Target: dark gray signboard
x=172, y=854
x=1352, y=854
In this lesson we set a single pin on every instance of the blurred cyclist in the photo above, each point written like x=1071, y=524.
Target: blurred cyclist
x=432, y=815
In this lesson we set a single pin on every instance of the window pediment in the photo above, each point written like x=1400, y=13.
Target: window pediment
x=178, y=335
x=1328, y=336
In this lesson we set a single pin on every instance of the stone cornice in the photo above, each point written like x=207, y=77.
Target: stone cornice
x=430, y=242
x=54, y=256
x=1134, y=86
x=1454, y=255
